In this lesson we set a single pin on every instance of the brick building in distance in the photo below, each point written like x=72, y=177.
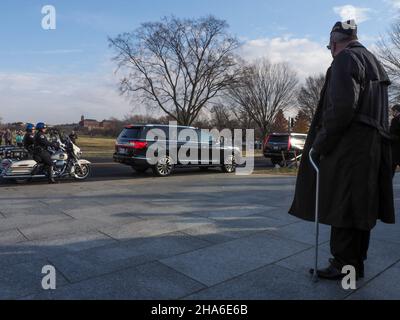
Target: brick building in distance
x=91, y=124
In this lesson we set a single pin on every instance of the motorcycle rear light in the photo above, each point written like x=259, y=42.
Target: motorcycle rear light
x=289, y=143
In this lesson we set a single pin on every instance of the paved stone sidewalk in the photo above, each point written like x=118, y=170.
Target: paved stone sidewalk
x=190, y=236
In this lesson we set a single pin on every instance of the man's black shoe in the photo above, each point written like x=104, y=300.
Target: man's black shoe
x=360, y=272
x=330, y=273
x=334, y=273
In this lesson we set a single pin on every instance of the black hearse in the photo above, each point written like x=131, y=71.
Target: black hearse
x=159, y=147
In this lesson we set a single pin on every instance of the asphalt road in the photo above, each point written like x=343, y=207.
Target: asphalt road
x=106, y=169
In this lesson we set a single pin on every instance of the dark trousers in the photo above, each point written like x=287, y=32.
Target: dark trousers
x=43, y=157
x=350, y=247
x=394, y=168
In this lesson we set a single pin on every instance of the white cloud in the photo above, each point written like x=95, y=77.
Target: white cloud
x=32, y=97
x=394, y=3
x=348, y=12
x=305, y=56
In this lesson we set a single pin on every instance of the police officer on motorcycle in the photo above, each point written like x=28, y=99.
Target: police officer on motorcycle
x=29, y=138
x=41, y=154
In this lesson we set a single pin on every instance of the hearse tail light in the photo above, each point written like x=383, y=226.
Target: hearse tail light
x=138, y=144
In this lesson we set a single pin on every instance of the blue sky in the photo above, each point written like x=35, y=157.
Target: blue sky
x=62, y=73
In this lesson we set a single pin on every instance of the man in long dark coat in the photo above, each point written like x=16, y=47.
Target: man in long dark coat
x=350, y=139
x=395, y=135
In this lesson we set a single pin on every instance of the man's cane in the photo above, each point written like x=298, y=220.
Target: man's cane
x=315, y=273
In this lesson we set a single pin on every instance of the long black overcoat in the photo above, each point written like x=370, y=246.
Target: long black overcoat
x=350, y=131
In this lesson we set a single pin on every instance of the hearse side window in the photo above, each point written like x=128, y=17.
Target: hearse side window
x=187, y=136
x=182, y=138
x=156, y=131
x=206, y=137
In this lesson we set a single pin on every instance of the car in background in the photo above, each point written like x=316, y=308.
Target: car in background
x=283, y=146
x=132, y=146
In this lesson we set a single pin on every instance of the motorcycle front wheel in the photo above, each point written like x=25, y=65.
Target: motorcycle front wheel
x=82, y=172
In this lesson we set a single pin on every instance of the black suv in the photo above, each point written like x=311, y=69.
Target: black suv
x=283, y=146
x=135, y=141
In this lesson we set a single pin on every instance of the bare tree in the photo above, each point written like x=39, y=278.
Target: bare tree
x=389, y=52
x=264, y=89
x=178, y=65
x=309, y=95
x=222, y=117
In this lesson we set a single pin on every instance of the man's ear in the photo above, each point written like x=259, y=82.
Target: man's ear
x=334, y=47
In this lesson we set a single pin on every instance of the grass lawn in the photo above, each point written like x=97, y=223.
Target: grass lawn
x=96, y=147
x=104, y=147
x=255, y=153
x=279, y=171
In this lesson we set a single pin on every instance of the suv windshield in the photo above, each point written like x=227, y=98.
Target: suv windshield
x=130, y=133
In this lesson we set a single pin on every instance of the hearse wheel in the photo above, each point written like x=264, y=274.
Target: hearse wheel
x=164, y=167
x=229, y=165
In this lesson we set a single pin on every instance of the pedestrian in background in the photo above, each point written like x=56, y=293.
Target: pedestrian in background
x=19, y=139
x=395, y=135
x=8, y=137
x=73, y=136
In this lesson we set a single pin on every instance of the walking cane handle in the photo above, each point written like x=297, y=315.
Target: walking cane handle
x=314, y=164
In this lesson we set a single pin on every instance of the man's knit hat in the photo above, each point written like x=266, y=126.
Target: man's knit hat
x=348, y=27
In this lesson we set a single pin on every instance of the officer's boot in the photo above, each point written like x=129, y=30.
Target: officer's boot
x=50, y=175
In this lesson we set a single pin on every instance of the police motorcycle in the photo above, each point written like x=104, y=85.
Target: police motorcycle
x=4, y=150
x=16, y=152
x=67, y=163
x=13, y=152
